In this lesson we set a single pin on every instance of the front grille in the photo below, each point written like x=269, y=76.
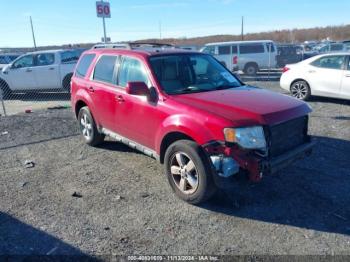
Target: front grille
x=287, y=136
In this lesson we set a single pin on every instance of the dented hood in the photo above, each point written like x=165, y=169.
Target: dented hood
x=247, y=105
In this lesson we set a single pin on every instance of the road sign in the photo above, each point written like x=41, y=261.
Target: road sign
x=103, y=9
x=108, y=39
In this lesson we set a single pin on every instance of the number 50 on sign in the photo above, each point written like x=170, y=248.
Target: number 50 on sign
x=103, y=9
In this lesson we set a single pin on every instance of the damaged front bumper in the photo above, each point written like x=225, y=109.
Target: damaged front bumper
x=255, y=165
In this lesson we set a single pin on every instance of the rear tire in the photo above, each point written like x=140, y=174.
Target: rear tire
x=189, y=172
x=251, y=69
x=301, y=90
x=88, y=128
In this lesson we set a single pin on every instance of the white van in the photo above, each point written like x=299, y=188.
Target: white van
x=249, y=56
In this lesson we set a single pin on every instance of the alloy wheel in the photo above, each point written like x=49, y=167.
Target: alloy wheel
x=299, y=90
x=184, y=173
x=86, y=126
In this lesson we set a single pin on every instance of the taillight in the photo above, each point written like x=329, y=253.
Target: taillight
x=235, y=60
x=285, y=69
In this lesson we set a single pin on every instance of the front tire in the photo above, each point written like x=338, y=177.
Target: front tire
x=189, y=172
x=301, y=90
x=88, y=128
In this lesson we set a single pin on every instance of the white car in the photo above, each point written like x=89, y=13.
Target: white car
x=39, y=71
x=248, y=56
x=323, y=75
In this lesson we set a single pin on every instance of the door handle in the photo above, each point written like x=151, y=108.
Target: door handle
x=120, y=99
x=29, y=70
x=91, y=89
x=312, y=71
x=347, y=75
x=51, y=68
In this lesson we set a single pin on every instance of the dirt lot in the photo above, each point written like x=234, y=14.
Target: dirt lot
x=126, y=206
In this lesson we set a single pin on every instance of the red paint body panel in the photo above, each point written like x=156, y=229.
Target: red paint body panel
x=202, y=116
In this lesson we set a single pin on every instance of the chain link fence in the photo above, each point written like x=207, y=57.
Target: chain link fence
x=15, y=102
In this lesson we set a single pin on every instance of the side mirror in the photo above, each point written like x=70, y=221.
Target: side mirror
x=137, y=89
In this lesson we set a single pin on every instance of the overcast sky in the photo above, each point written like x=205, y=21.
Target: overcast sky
x=75, y=21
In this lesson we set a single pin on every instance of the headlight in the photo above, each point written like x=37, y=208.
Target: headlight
x=247, y=137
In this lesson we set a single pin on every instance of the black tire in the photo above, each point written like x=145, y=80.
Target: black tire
x=203, y=173
x=66, y=82
x=92, y=137
x=5, y=89
x=301, y=90
x=251, y=69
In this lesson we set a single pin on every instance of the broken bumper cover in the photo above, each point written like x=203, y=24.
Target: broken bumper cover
x=258, y=166
x=280, y=162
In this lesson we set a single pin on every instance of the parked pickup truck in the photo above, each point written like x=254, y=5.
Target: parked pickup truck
x=39, y=71
x=192, y=114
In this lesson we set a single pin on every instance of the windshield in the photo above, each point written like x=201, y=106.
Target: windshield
x=190, y=73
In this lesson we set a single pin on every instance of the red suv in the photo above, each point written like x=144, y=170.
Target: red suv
x=190, y=113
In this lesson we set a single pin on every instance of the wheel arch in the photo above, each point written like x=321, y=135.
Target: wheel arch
x=169, y=139
x=79, y=105
x=67, y=77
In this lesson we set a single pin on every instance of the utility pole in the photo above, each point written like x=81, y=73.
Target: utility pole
x=242, y=29
x=31, y=25
x=104, y=28
x=160, y=30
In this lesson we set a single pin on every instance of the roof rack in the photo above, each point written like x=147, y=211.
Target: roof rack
x=135, y=46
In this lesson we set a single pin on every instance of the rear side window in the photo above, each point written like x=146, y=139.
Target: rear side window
x=45, y=59
x=84, y=65
x=331, y=62
x=131, y=70
x=251, y=48
x=104, y=69
x=224, y=50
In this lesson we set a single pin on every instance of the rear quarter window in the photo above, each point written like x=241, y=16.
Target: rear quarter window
x=83, y=65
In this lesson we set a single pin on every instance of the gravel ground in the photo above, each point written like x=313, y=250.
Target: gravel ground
x=123, y=204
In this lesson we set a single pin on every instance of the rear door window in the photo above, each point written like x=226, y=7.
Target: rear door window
x=84, y=65
x=224, y=50
x=45, y=59
x=131, y=70
x=330, y=62
x=105, y=69
x=251, y=48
